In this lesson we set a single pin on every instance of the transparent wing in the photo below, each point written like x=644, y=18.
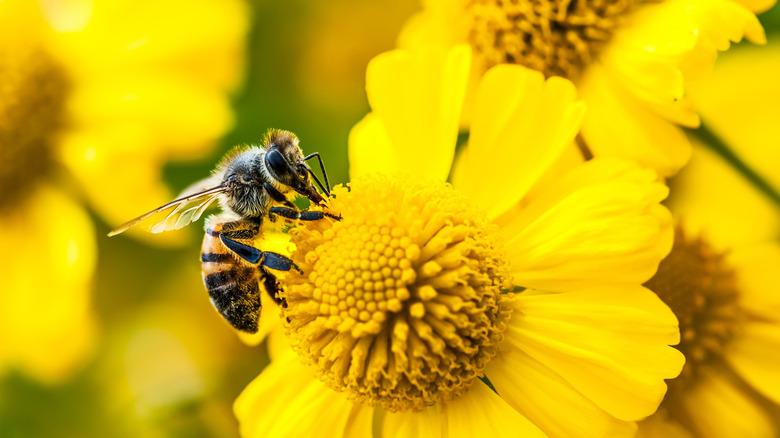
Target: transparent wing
x=180, y=212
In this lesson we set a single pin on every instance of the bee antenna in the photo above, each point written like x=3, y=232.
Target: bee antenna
x=322, y=168
x=317, y=180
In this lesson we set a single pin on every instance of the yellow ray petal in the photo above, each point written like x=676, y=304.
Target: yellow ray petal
x=548, y=401
x=618, y=125
x=601, y=222
x=611, y=344
x=755, y=353
x=428, y=423
x=136, y=36
x=46, y=323
x=520, y=126
x=142, y=101
x=286, y=400
x=481, y=412
x=758, y=278
x=417, y=96
x=717, y=409
x=658, y=426
x=711, y=199
x=370, y=150
x=736, y=102
x=121, y=182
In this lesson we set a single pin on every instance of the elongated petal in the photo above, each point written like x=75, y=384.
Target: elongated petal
x=549, y=401
x=601, y=222
x=718, y=409
x=755, y=354
x=417, y=96
x=611, y=344
x=286, y=400
x=46, y=323
x=520, y=126
x=479, y=411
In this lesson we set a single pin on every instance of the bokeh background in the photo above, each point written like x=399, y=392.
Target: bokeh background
x=164, y=363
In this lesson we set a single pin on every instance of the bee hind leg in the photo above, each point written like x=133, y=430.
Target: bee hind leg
x=272, y=286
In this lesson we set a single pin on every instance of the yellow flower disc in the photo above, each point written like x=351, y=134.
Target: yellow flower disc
x=700, y=288
x=33, y=89
x=400, y=303
x=556, y=37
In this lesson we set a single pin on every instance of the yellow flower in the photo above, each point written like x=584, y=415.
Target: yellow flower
x=104, y=92
x=631, y=60
x=721, y=279
x=507, y=304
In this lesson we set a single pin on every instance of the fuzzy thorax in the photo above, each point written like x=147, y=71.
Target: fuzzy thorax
x=400, y=304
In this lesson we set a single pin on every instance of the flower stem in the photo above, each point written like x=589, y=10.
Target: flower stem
x=719, y=146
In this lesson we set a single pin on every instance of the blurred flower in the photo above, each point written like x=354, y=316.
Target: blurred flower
x=415, y=294
x=107, y=90
x=632, y=60
x=721, y=278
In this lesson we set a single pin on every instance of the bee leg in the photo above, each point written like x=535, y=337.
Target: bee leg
x=306, y=215
x=241, y=229
x=272, y=286
x=254, y=256
x=277, y=196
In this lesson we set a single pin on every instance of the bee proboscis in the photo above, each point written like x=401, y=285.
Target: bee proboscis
x=250, y=184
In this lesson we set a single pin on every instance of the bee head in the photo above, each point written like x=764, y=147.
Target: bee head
x=285, y=161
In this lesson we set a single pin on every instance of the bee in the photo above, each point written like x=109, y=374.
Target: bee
x=250, y=184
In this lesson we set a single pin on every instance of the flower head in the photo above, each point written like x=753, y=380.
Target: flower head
x=721, y=277
x=632, y=60
x=85, y=92
x=464, y=308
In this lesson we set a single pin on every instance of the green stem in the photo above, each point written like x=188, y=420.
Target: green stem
x=719, y=146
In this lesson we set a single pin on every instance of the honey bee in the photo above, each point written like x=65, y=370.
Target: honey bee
x=250, y=184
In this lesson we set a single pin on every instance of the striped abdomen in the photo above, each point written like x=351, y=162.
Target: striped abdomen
x=232, y=283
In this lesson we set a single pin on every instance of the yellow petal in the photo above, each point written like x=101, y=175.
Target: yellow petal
x=520, y=126
x=481, y=412
x=286, y=400
x=711, y=199
x=758, y=278
x=478, y=412
x=417, y=96
x=755, y=353
x=138, y=36
x=609, y=343
x=600, y=222
x=549, y=401
x=142, y=102
x=736, y=103
x=120, y=181
x=46, y=322
x=618, y=125
x=757, y=5
x=370, y=150
x=717, y=409
x=659, y=426
x=428, y=423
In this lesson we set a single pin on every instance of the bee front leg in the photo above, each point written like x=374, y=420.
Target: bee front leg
x=305, y=215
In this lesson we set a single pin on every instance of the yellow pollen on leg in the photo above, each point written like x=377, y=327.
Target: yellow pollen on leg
x=698, y=285
x=556, y=37
x=33, y=90
x=400, y=303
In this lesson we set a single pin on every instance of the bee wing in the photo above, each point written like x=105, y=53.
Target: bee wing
x=180, y=212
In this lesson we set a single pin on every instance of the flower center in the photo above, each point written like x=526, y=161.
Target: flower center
x=700, y=288
x=400, y=303
x=33, y=89
x=556, y=37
